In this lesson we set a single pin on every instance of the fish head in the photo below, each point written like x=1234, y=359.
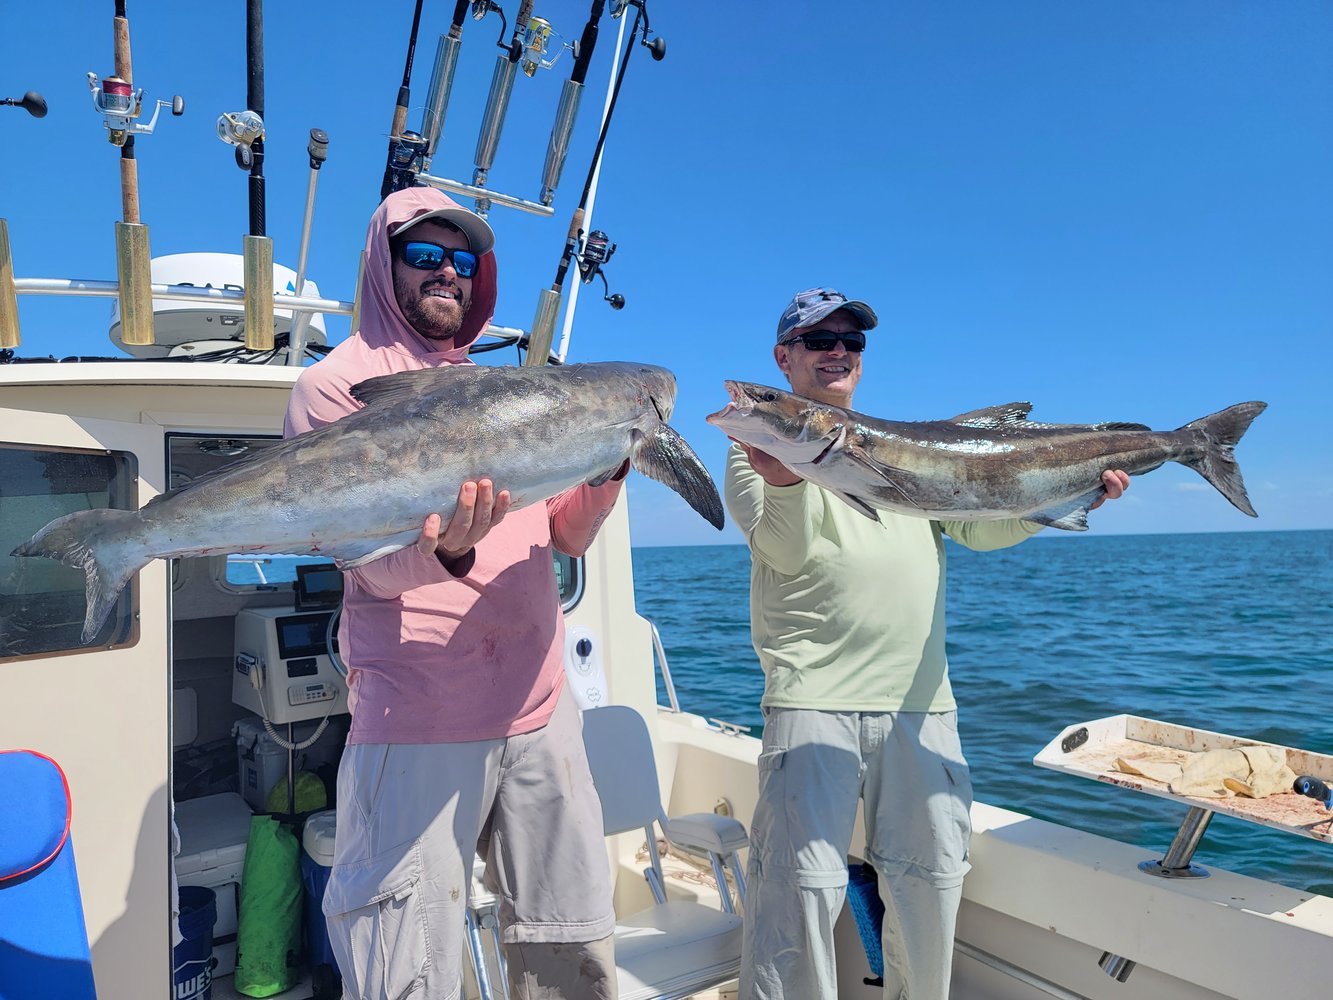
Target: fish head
x=791, y=428
x=660, y=386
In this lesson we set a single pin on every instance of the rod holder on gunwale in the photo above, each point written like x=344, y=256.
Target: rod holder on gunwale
x=9, y=300
x=258, y=266
x=134, y=275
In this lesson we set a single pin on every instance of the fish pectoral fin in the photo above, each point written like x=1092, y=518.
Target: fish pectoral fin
x=603, y=477
x=664, y=455
x=856, y=503
x=992, y=416
x=885, y=472
x=350, y=555
x=1071, y=515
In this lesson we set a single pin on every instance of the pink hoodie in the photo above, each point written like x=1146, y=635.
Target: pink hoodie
x=433, y=658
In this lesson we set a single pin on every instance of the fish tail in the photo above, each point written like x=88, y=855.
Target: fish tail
x=90, y=540
x=1217, y=435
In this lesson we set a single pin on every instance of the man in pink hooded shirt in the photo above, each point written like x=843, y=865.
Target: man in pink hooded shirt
x=463, y=738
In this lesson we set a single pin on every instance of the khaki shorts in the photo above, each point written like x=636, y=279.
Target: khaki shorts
x=411, y=817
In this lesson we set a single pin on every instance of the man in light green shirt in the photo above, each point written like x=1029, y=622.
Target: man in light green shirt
x=847, y=618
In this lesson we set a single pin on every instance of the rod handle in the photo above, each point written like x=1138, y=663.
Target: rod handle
x=121, y=32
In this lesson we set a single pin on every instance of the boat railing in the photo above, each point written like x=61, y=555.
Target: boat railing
x=661, y=657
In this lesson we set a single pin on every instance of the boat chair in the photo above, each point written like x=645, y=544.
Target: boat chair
x=676, y=947
x=43, y=940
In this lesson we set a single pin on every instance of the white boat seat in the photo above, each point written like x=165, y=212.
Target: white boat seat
x=676, y=949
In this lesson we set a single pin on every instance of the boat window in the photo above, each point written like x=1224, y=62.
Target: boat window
x=42, y=602
x=568, y=580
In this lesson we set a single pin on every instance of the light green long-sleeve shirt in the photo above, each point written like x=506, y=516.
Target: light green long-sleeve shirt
x=847, y=615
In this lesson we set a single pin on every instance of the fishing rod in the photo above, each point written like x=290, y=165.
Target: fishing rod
x=548, y=299
x=120, y=105
x=399, y=125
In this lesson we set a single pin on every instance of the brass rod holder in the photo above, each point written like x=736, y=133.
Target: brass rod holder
x=543, y=328
x=258, y=293
x=356, y=302
x=9, y=300
x=134, y=272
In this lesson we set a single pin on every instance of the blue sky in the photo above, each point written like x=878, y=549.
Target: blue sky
x=1117, y=211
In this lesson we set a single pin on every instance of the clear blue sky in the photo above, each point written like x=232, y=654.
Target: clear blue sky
x=1117, y=211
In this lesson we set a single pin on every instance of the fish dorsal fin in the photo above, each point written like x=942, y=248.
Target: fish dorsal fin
x=993, y=416
x=856, y=503
x=664, y=455
x=1119, y=425
x=887, y=473
x=406, y=385
x=1069, y=515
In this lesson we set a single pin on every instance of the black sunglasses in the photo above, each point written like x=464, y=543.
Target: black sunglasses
x=823, y=340
x=429, y=256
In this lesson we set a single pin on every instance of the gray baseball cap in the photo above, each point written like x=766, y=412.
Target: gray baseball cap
x=813, y=304
x=480, y=237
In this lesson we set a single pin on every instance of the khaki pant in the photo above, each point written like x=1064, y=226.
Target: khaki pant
x=909, y=769
x=411, y=817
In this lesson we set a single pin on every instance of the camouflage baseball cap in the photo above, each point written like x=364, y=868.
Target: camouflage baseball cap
x=813, y=304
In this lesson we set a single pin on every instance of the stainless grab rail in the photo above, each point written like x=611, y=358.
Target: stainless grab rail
x=662, y=662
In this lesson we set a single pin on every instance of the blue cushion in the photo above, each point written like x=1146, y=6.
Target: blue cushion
x=43, y=940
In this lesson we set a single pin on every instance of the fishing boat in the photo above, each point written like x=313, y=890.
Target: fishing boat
x=214, y=685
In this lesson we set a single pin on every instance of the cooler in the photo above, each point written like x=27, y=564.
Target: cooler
x=316, y=862
x=262, y=763
x=214, y=830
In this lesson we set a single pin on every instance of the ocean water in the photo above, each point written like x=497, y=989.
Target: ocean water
x=1227, y=632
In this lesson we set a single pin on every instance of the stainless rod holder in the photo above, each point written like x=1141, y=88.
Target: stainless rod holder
x=134, y=273
x=558, y=147
x=481, y=194
x=258, y=267
x=437, y=103
x=1176, y=864
x=9, y=300
x=543, y=328
x=492, y=122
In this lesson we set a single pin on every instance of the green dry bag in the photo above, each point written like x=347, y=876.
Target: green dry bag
x=268, y=930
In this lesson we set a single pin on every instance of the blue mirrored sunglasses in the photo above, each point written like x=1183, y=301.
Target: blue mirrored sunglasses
x=823, y=340
x=429, y=256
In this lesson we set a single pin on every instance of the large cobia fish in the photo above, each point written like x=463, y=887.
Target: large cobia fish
x=361, y=487
x=989, y=463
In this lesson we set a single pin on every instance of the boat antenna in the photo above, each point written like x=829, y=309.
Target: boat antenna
x=120, y=105
x=399, y=125
x=31, y=102
x=548, y=300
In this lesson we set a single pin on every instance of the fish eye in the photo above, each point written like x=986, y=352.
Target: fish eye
x=770, y=397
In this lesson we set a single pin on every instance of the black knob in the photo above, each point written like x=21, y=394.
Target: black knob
x=584, y=648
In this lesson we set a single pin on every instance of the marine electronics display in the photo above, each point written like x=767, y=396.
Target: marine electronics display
x=282, y=669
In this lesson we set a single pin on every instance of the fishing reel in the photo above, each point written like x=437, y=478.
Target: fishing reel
x=657, y=47
x=480, y=8
x=31, y=102
x=537, y=43
x=120, y=106
x=241, y=129
x=598, y=250
x=407, y=155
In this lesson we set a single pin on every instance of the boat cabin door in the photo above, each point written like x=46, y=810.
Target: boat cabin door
x=100, y=710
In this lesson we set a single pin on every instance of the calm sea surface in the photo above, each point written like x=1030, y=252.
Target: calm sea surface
x=1227, y=632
